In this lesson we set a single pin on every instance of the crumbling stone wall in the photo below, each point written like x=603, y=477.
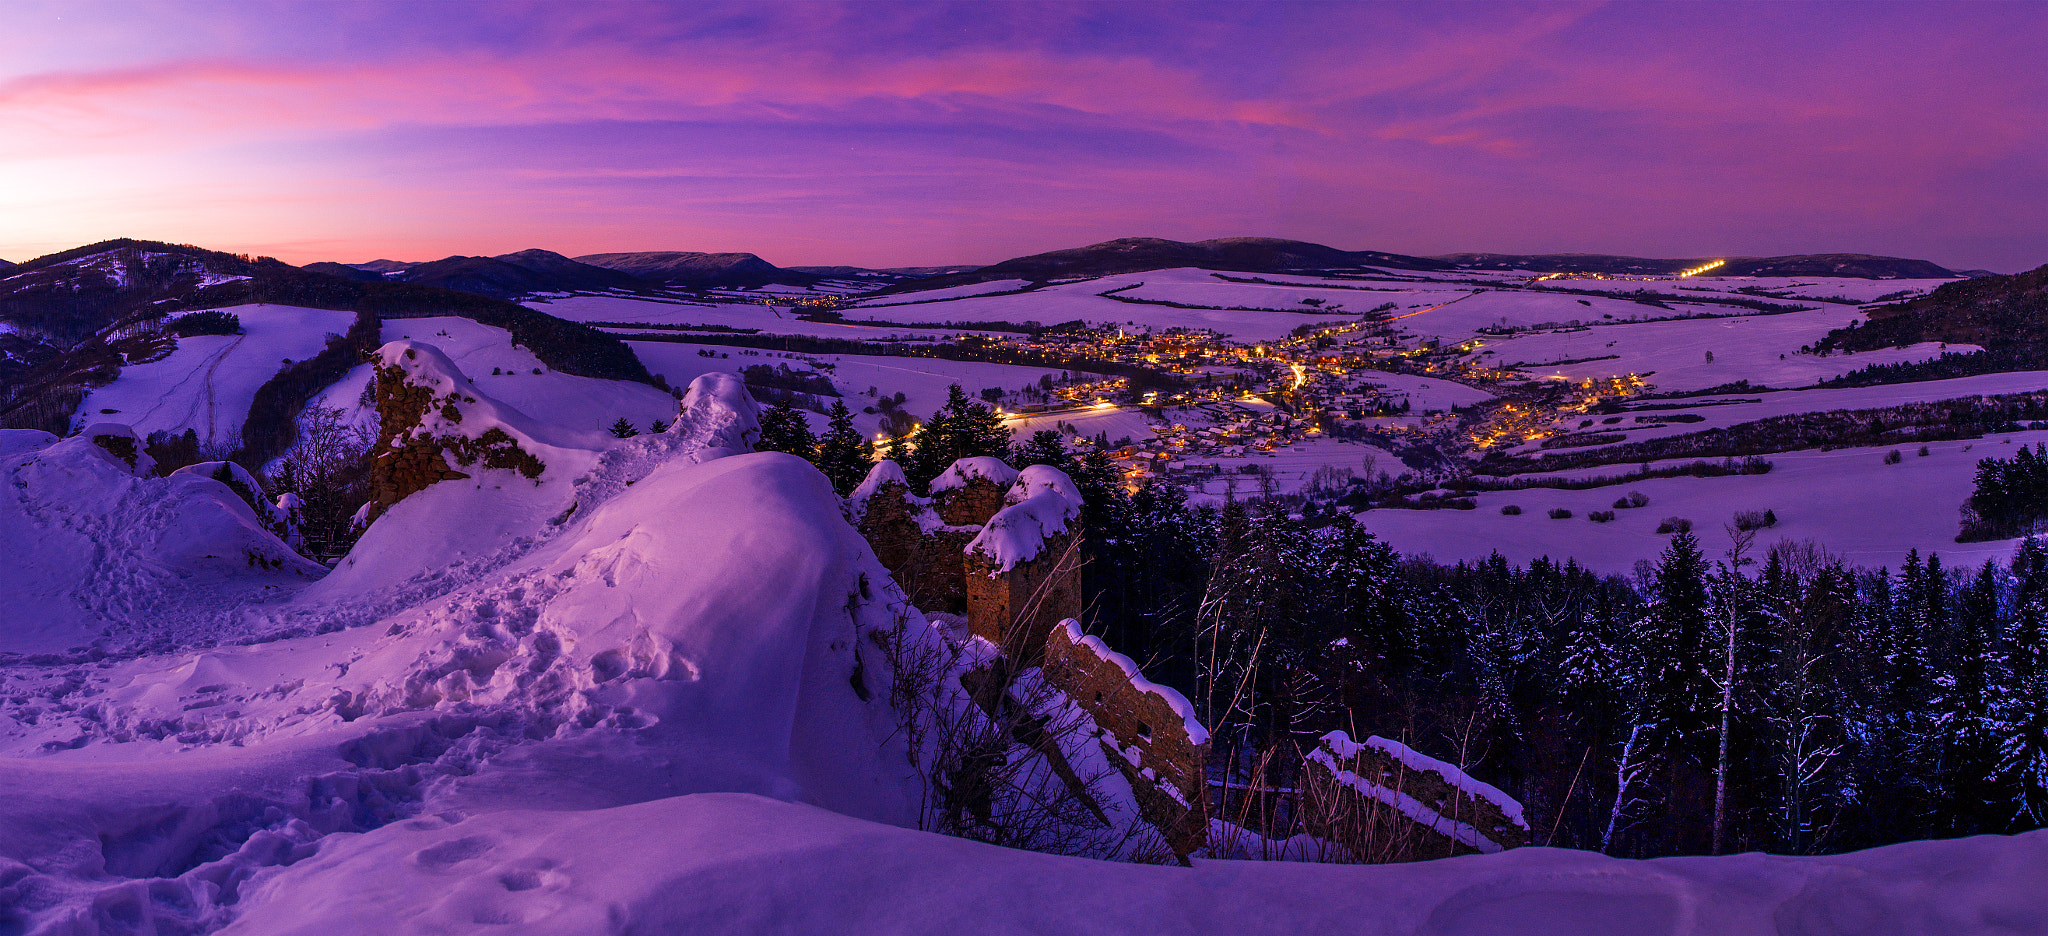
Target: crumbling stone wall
x=1016, y=609
x=971, y=504
x=930, y=567
x=1147, y=739
x=1333, y=809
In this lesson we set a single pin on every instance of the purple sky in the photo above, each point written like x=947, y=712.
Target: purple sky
x=885, y=134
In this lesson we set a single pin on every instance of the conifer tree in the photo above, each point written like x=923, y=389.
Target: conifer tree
x=2019, y=686
x=1970, y=749
x=783, y=429
x=1045, y=447
x=962, y=428
x=844, y=455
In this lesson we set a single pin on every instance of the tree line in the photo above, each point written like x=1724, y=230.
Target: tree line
x=1771, y=698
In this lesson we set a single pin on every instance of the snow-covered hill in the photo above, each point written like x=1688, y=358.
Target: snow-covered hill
x=648, y=689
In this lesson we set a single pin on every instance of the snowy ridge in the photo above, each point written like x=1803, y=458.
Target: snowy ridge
x=1342, y=745
x=1197, y=734
x=471, y=412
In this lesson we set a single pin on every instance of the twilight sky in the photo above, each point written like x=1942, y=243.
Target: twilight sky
x=890, y=134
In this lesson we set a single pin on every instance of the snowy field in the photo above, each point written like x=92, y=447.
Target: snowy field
x=1424, y=393
x=922, y=381
x=1734, y=409
x=1084, y=301
x=1116, y=422
x=1762, y=349
x=1847, y=500
x=583, y=402
x=208, y=383
x=778, y=320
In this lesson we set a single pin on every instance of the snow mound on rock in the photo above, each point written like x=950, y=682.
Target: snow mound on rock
x=993, y=470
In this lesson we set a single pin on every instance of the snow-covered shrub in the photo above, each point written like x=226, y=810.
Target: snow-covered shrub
x=1511, y=510
x=1755, y=519
x=1675, y=525
x=1601, y=516
x=1560, y=513
x=1633, y=499
x=1893, y=457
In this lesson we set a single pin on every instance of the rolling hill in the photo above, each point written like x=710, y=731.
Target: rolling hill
x=691, y=269
x=1141, y=254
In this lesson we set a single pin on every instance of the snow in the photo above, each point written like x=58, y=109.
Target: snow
x=102, y=554
x=1342, y=745
x=270, y=513
x=648, y=692
x=732, y=863
x=950, y=292
x=740, y=313
x=1744, y=348
x=1406, y=805
x=1116, y=422
x=1732, y=409
x=885, y=471
x=506, y=371
x=1035, y=479
x=208, y=383
x=1847, y=500
x=922, y=381
x=1198, y=735
x=1017, y=533
x=983, y=468
x=18, y=441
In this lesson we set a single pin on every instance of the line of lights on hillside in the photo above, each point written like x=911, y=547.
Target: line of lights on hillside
x=1702, y=268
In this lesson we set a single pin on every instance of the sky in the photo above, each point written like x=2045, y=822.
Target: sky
x=897, y=134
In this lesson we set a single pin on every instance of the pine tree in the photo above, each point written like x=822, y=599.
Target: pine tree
x=1970, y=749
x=623, y=429
x=783, y=429
x=2019, y=686
x=962, y=428
x=844, y=455
x=1674, y=640
x=1045, y=447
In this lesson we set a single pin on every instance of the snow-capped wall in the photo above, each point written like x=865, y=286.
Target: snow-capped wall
x=1150, y=731
x=1020, y=532
x=1347, y=778
x=959, y=474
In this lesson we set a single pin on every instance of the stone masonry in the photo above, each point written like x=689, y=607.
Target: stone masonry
x=1009, y=555
x=1366, y=798
x=1147, y=738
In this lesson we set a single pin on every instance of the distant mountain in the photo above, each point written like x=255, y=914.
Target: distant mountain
x=1861, y=266
x=4, y=265
x=517, y=274
x=1993, y=311
x=691, y=269
x=344, y=271
x=852, y=271
x=1140, y=254
x=385, y=266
